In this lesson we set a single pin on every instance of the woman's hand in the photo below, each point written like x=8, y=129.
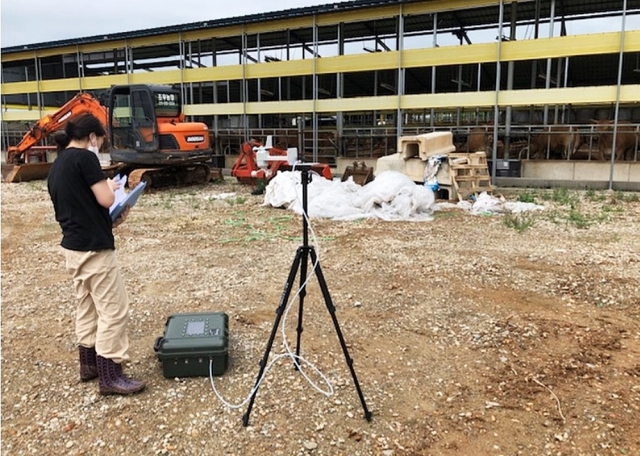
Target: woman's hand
x=113, y=185
x=117, y=222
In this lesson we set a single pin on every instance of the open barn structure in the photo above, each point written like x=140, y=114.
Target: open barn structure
x=345, y=81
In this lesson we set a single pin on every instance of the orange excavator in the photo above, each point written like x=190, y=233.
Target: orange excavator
x=149, y=139
x=28, y=160
x=258, y=163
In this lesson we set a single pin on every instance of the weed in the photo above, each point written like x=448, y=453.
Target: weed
x=629, y=197
x=526, y=197
x=441, y=214
x=259, y=235
x=261, y=185
x=612, y=208
x=36, y=184
x=562, y=196
x=578, y=219
x=603, y=218
x=554, y=216
x=545, y=195
x=236, y=200
x=519, y=222
x=592, y=195
x=240, y=221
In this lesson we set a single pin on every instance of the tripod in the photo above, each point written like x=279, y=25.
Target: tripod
x=303, y=254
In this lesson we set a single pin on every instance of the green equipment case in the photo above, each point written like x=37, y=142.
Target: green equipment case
x=191, y=341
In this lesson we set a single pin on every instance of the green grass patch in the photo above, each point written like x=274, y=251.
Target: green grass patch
x=276, y=229
x=563, y=197
x=578, y=219
x=526, y=197
x=448, y=214
x=609, y=208
x=520, y=222
x=236, y=201
x=594, y=196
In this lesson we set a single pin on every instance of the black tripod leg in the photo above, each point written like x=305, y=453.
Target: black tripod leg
x=303, y=292
x=279, y=311
x=332, y=311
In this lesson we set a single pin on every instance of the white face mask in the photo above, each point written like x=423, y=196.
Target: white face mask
x=94, y=149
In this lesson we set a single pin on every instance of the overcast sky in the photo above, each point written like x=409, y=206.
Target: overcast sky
x=38, y=21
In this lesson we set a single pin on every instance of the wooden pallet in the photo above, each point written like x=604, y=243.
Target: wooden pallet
x=469, y=174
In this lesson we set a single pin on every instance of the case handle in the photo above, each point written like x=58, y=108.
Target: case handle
x=157, y=345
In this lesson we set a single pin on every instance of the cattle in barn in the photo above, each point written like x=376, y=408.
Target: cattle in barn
x=479, y=139
x=560, y=140
x=626, y=139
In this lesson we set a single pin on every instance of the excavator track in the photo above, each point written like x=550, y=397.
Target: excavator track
x=170, y=176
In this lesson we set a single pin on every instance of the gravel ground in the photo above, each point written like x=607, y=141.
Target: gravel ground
x=496, y=335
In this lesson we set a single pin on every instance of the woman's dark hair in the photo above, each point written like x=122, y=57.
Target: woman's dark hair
x=79, y=128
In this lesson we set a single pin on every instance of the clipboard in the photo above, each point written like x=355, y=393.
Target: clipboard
x=130, y=200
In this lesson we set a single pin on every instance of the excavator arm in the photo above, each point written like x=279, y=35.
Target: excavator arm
x=83, y=103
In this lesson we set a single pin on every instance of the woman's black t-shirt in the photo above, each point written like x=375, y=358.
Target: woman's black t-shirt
x=86, y=225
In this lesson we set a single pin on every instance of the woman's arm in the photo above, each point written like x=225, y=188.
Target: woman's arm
x=103, y=192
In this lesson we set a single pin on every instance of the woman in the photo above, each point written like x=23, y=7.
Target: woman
x=81, y=196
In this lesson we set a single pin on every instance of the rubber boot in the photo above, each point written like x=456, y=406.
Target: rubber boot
x=88, y=363
x=113, y=381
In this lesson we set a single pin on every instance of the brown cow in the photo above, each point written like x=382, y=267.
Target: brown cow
x=479, y=139
x=562, y=141
x=626, y=139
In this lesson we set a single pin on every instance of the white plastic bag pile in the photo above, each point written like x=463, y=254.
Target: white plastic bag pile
x=488, y=204
x=391, y=196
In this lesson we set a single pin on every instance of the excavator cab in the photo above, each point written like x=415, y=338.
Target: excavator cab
x=132, y=119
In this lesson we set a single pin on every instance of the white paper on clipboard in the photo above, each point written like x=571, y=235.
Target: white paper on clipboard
x=130, y=199
x=119, y=193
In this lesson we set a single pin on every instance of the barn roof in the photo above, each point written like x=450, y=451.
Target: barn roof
x=469, y=18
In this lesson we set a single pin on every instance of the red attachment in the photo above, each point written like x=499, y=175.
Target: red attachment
x=247, y=171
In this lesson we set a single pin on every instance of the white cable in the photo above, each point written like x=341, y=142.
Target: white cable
x=290, y=353
x=257, y=385
x=297, y=360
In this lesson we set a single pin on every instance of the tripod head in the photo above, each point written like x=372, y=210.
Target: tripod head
x=304, y=168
